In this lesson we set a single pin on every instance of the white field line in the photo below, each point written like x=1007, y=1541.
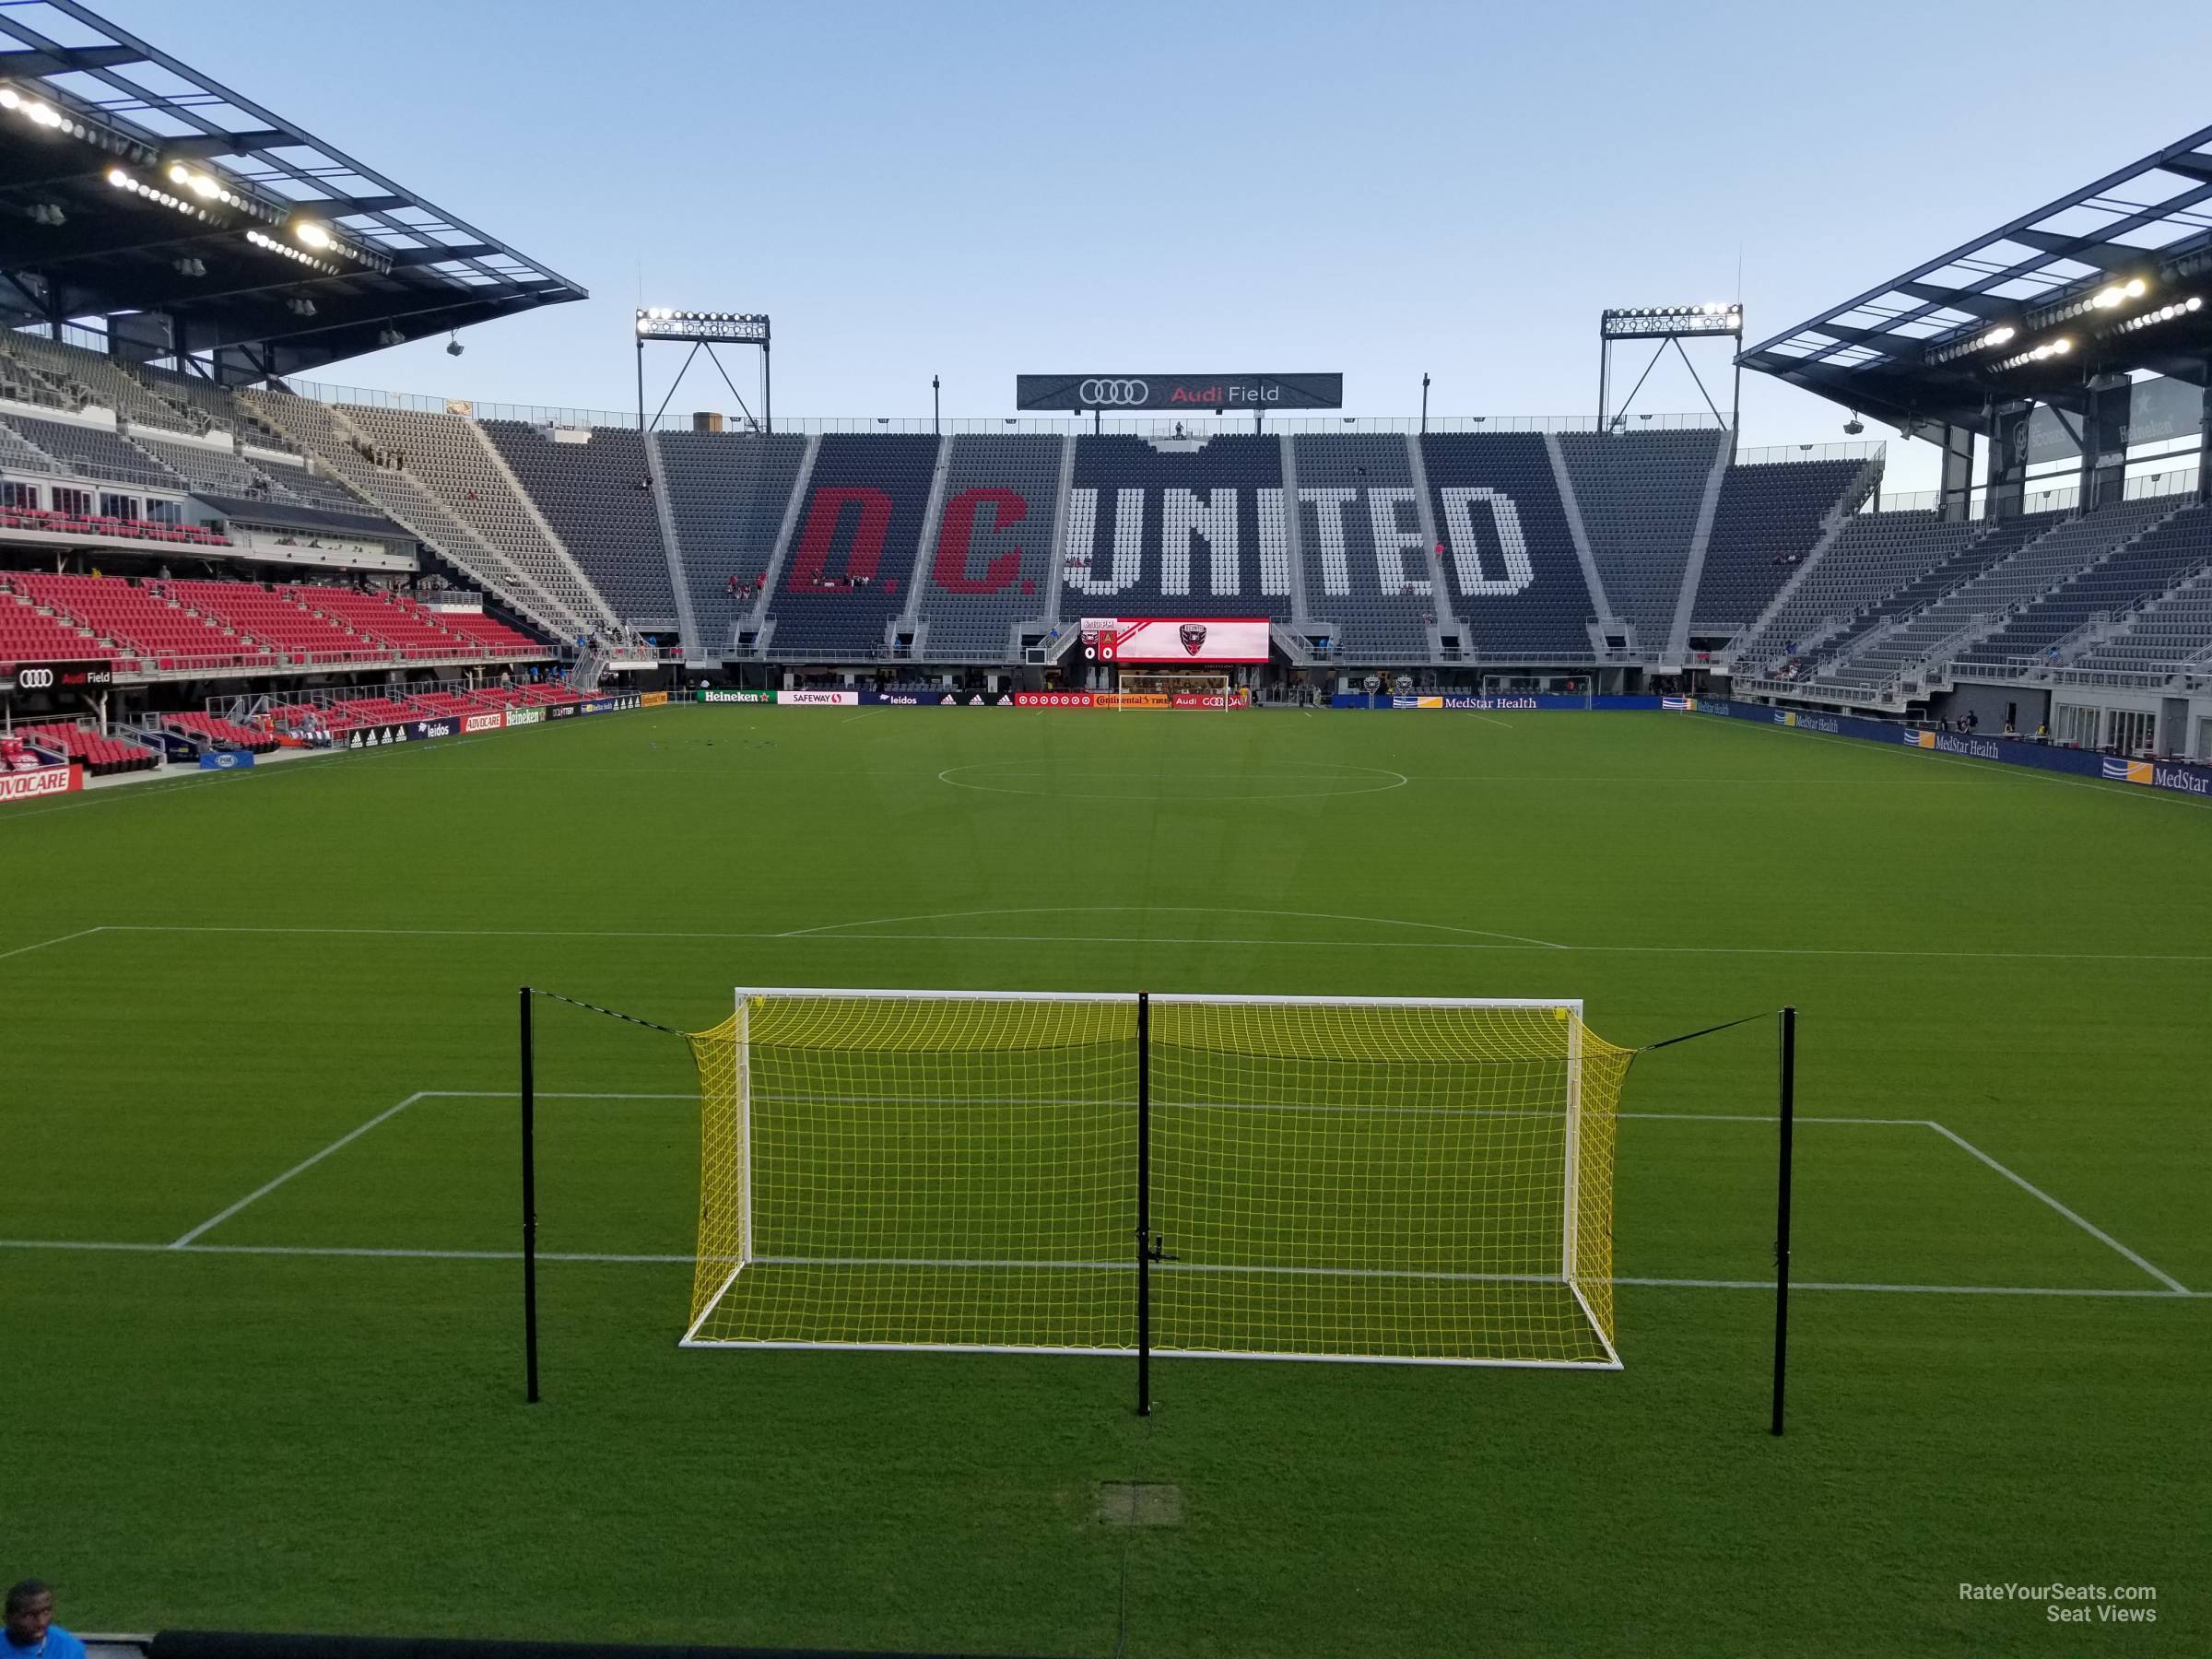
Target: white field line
x=2029, y=1187
x=351, y=1135
x=1799, y=1283
x=304, y=1164
x=402, y=1254
x=1167, y=910
x=42, y=944
x=1061, y=938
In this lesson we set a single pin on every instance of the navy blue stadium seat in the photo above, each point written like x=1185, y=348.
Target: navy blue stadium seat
x=1508, y=559
x=1177, y=532
x=851, y=554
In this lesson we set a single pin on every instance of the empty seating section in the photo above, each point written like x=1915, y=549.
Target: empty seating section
x=1508, y=559
x=21, y=383
x=2149, y=558
x=100, y=755
x=1875, y=558
x=218, y=470
x=76, y=525
x=479, y=632
x=212, y=728
x=2173, y=631
x=1986, y=544
x=598, y=498
x=19, y=452
x=853, y=553
x=1640, y=495
x=374, y=711
x=304, y=719
x=990, y=568
x=726, y=493
x=316, y=430
x=1768, y=518
x=94, y=453
x=143, y=623
x=2023, y=557
x=211, y=403
x=529, y=696
x=448, y=702
x=1177, y=532
x=326, y=495
x=449, y=456
x=1368, y=574
x=28, y=634
x=91, y=377
x=275, y=620
x=398, y=628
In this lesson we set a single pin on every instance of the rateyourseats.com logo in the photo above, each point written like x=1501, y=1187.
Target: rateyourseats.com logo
x=2074, y=1603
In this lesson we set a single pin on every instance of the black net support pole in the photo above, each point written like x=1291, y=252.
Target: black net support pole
x=1782, y=1207
x=529, y=1206
x=1143, y=1204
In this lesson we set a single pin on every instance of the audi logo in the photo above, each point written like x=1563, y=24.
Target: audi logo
x=1110, y=392
x=34, y=679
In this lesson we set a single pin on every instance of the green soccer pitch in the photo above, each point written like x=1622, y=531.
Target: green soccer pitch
x=262, y=1304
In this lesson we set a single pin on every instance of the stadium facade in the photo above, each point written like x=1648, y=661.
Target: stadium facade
x=184, y=522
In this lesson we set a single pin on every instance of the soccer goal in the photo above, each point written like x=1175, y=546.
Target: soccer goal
x=1422, y=1182
x=1176, y=691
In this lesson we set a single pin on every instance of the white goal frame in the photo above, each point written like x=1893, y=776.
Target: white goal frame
x=1573, y=1106
x=1167, y=682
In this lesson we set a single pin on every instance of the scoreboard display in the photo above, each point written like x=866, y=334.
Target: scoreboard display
x=1147, y=640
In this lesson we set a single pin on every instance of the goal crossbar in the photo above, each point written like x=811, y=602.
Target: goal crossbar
x=1404, y=1180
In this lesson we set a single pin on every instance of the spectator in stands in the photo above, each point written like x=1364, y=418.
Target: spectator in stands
x=30, y=1627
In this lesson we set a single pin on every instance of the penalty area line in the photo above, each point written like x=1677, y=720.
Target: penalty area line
x=188, y=1240
x=2173, y=1285
x=304, y=1165
x=400, y=1253
x=82, y=933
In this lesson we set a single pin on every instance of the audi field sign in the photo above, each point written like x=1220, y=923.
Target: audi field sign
x=1194, y=393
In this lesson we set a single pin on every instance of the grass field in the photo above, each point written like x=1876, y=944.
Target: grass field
x=272, y=1013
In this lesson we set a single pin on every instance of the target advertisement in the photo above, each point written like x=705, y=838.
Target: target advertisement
x=1175, y=640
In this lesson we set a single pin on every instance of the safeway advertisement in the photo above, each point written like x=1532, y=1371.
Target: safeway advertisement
x=45, y=781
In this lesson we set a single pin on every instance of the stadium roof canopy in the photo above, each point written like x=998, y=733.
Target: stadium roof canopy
x=1931, y=347
x=135, y=188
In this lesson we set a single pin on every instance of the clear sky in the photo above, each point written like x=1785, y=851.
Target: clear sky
x=977, y=190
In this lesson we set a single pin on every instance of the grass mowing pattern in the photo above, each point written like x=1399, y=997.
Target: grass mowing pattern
x=334, y=1442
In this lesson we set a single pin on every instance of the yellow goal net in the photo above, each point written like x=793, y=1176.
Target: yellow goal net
x=1380, y=1180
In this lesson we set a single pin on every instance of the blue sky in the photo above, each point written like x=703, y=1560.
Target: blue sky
x=977, y=190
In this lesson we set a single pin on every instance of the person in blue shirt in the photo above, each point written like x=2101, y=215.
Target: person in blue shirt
x=31, y=1632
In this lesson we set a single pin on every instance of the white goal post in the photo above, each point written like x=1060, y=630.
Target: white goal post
x=1177, y=688
x=1374, y=1179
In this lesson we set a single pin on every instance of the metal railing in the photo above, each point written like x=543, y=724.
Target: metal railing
x=1774, y=454
x=1194, y=424
x=2142, y=484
